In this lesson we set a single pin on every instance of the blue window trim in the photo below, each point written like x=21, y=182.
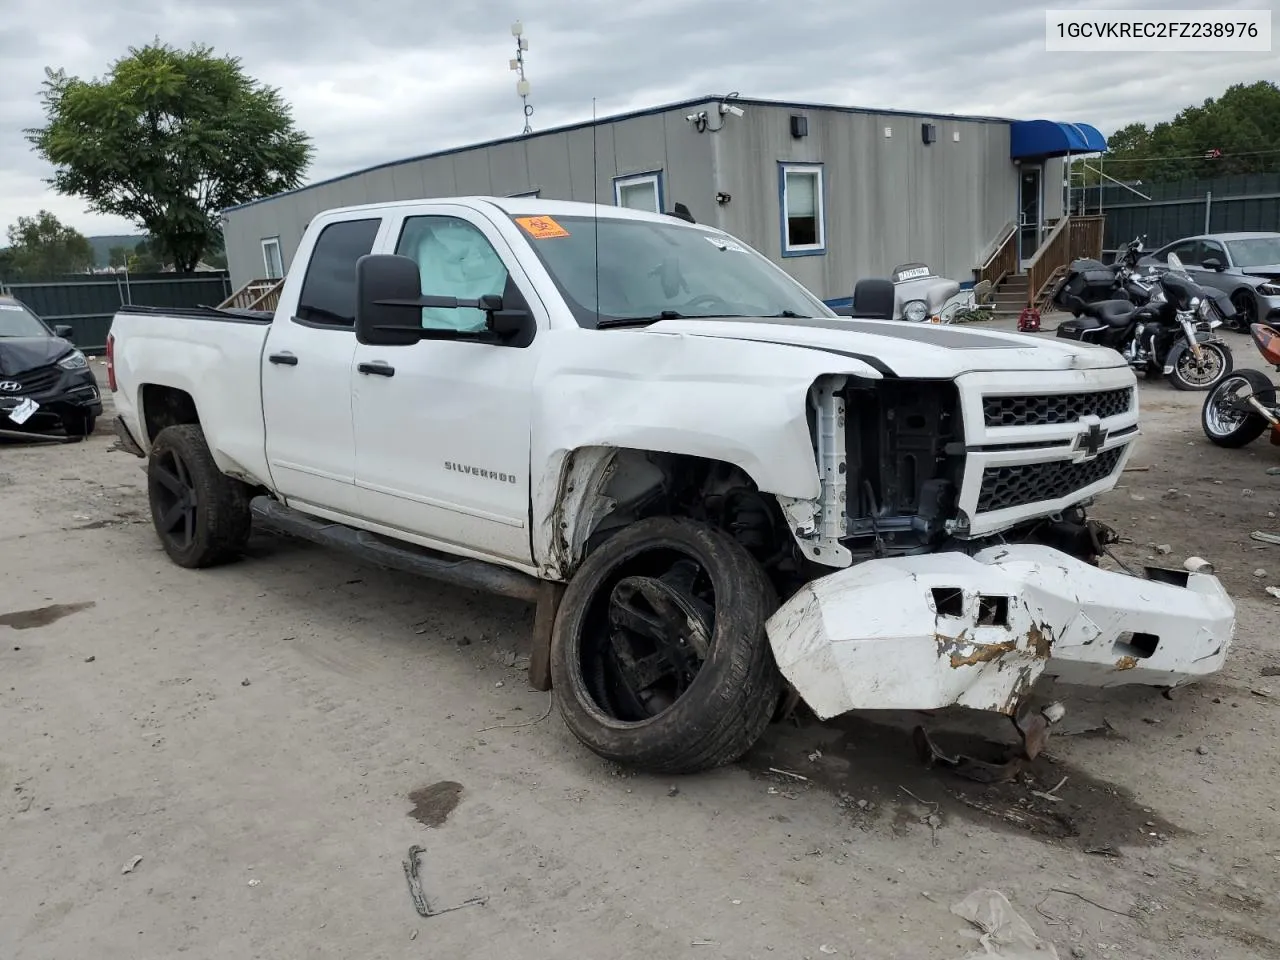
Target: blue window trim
x=619, y=182
x=783, y=167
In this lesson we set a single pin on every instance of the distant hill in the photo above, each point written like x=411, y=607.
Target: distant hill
x=102, y=247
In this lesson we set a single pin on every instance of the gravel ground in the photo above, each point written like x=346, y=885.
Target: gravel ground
x=271, y=737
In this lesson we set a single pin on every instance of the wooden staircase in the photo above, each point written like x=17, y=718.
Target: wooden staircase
x=255, y=295
x=1010, y=296
x=1013, y=289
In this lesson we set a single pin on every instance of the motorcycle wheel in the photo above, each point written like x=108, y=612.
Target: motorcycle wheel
x=1191, y=374
x=1227, y=426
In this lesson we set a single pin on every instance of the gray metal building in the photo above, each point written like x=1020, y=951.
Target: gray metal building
x=831, y=193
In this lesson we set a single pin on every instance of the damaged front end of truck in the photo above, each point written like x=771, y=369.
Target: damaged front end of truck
x=966, y=569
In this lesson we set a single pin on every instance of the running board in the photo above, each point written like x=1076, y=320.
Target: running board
x=393, y=555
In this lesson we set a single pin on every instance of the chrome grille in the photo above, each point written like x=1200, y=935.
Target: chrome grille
x=1025, y=483
x=1032, y=411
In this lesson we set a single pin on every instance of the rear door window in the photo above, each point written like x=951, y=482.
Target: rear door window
x=328, y=297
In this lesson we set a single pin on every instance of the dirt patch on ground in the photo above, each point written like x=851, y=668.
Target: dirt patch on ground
x=433, y=804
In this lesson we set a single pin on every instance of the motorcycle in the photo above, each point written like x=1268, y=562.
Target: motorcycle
x=1243, y=405
x=1092, y=281
x=1170, y=334
x=1089, y=281
x=919, y=294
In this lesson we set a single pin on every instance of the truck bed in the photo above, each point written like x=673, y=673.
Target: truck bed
x=214, y=356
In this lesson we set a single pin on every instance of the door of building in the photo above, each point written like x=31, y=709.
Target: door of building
x=1030, y=212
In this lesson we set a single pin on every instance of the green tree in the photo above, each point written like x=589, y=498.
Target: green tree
x=42, y=247
x=1239, y=132
x=169, y=138
x=118, y=257
x=145, y=258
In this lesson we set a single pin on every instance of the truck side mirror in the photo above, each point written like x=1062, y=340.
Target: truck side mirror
x=389, y=302
x=388, y=288
x=1212, y=263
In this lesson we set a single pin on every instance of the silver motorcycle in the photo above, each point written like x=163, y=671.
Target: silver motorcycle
x=920, y=295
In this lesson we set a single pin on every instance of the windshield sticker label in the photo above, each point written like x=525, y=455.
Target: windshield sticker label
x=10, y=306
x=725, y=244
x=23, y=411
x=542, y=228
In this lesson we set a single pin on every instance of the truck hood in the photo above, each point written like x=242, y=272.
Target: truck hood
x=20, y=354
x=899, y=348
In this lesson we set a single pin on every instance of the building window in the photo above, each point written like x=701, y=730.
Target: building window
x=641, y=192
x=271, y=258
x=804, y=231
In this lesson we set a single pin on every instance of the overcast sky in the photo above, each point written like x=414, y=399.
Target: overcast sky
x=376, y=81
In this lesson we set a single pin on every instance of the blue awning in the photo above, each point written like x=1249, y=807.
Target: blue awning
x=1047, y=138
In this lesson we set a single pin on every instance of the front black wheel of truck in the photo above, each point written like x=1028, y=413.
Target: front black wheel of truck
x=200, y=514
x=659, y=658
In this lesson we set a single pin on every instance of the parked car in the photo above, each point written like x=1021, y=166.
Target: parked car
x=1245, y=266
x=45, y=382
x=712, y=486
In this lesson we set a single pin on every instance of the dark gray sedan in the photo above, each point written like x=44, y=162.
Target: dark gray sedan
x=1245, y=266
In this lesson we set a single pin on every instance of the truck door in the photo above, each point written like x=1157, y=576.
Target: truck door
x=442, y=427
x=306, y=372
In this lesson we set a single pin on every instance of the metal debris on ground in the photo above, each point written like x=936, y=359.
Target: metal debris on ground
x=525, y=723
x=788, y=773
x=419, y=898
x=131, y=865
x=1274, y=591
x=1032, y=727
x=1266, y=537
x=1005, y=935
x=1051, y=795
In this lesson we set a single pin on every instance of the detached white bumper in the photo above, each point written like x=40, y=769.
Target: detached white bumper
x=923, y=632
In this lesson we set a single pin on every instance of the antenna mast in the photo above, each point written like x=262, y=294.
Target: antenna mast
x=522, y=85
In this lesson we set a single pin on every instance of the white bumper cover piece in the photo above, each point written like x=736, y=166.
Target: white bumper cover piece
x=930, y=631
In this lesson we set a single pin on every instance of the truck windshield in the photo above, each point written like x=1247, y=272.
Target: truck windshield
x=653, y=271
x=1255, y=252
x=17, y=321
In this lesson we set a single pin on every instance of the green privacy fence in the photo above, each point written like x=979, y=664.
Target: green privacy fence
x=87, y=303
x=1187, y=207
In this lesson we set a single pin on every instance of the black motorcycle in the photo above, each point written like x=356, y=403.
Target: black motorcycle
x=1171, y=334
x=1092, y=281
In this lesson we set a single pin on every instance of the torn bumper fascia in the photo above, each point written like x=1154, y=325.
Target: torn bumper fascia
x=872, y=637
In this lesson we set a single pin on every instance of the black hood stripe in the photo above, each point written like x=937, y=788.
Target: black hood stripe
x=872, y=362
x=930, y=334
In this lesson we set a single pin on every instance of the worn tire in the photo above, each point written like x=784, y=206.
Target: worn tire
x=1250, y=427
x=222, y=518
x=733, y=696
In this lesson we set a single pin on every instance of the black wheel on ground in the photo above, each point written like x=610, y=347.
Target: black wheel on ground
x=80, y=425
x=201, y=515
x=659, y=658
x=1246, y=310
x=1225, y=419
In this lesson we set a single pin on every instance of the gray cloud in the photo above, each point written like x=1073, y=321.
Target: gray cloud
x=373, y=82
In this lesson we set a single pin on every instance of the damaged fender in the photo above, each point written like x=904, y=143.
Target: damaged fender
x=930, y=631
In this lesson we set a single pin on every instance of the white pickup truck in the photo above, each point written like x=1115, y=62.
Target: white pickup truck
x=722, y=496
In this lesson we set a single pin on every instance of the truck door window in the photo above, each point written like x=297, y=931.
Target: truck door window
x=328, y=295
x=454, y=260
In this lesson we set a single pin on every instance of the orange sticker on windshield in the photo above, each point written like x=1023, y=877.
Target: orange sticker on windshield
x=542, y=228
